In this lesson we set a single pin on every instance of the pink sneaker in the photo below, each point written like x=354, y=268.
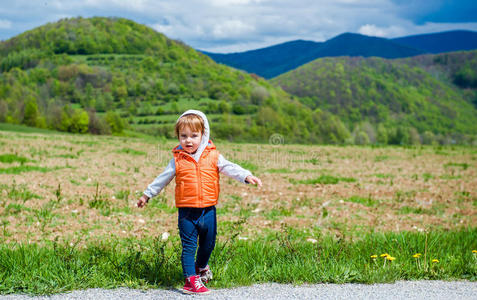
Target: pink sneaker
x=204, y=273
x=193, y=285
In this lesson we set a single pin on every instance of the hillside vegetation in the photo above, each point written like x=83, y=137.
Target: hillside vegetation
x=104, y=75
x=392, y=101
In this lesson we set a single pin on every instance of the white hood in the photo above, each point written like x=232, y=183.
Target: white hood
x=205, y=136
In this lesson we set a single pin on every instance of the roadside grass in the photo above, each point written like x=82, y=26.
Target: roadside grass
x=286, y=256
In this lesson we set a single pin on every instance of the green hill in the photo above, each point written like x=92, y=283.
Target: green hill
x=392, y=101
x=105, y=75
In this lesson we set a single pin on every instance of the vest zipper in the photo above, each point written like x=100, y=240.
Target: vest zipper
x=199, y=189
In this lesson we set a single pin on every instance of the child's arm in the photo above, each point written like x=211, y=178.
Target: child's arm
x=236, y=172
x=158, y=184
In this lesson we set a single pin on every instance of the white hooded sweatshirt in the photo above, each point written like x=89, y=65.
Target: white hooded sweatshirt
x=226, y=167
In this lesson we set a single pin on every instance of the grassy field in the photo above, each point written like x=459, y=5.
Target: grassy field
x=322, y=213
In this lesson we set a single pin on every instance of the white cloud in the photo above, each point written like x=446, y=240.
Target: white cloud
x=233, y=2
x=409, y=28
x=373, y=30
x=233, y=25
x=5, y=24
x=231, y=28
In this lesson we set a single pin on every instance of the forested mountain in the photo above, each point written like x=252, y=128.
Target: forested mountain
x=440, y=42
x=272, y=61
x=275, y=60
x=429, y=94
x=103, y=75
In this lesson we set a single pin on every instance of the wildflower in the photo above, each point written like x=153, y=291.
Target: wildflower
x=313, y=241
x=165, y=236
x=374, y=256
x=435, y=260
x=384, y=255
x=391, y=258
x=474, y=251
x=417, y=255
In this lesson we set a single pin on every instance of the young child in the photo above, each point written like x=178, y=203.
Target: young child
x=196, y=166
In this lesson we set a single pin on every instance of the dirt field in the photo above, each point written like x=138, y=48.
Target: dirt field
x=77, y=188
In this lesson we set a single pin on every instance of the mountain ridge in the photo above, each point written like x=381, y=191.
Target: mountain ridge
x=347, y=44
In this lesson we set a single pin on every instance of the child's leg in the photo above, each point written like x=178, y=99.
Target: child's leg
x=207, y=234
x=188, y=233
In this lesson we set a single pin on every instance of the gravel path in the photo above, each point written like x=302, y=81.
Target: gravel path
x=433, y=290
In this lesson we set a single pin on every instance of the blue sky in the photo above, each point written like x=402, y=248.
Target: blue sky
x=239, y=25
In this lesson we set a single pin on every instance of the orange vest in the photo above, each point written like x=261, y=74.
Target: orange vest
x=197, y=183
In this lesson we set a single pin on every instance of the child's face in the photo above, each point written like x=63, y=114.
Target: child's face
x=189, y=140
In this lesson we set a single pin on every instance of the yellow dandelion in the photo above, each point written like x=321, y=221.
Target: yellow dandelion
x=474, y=251
x=435, y=260
x=390, y=258
x=374, y=256
x=384, y=255
x=417, y=255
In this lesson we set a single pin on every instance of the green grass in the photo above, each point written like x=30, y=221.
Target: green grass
x=464, y=166
x=282, y=257
x=286, y=170
x=18, y=192
x=367, y=201
x=15, y=208
x=415, y=210
x=11, y=158
x=384, y=176
x=379, y=158
x=66, y=156
x=276, y=213
x=130, y=151
x=22, y=169
x=24, y=129
x=281, y=170
x=450, y=177
x=324, y=179
x=248, y=165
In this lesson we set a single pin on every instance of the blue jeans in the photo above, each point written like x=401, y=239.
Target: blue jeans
x=196, y=223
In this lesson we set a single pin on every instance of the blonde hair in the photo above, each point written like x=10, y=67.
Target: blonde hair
x=194, y=122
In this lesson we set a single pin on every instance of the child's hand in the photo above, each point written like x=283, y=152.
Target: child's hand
x=253, y=180
x=142, y=201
